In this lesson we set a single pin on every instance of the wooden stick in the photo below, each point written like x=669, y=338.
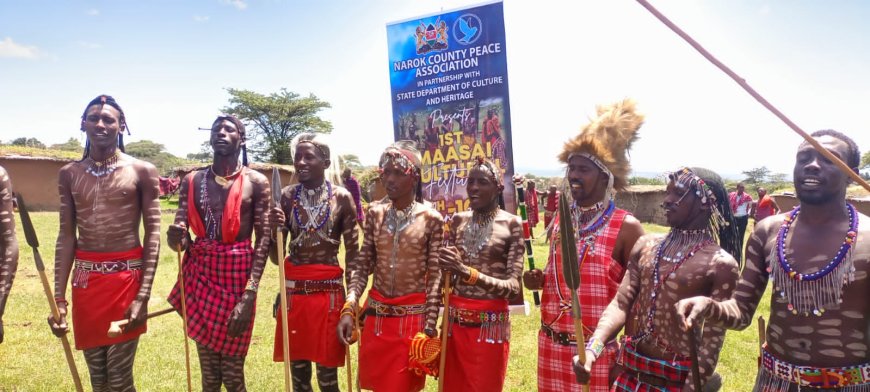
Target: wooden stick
x=67, y=349
x=348, y=369
x=693, y=353
x=445, y=325
x=742, y=82
x=285, y=329
x=762, y=337
x=184, y=319
x=116, y=327
x=581, y=346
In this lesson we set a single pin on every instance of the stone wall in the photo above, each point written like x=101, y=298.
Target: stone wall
x=644, y=202
x=35, y=179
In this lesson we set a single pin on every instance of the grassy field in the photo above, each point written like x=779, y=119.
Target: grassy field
x=31, y=359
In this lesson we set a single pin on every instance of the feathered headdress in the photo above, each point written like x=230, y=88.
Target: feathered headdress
x=607, y=139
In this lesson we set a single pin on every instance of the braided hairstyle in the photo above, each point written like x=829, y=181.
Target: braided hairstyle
x=105, y=100
x=724, y=229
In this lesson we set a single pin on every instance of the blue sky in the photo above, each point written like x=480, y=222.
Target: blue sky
x=168, y=62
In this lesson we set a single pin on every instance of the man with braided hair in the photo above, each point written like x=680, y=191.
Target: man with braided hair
x=402, y=238
x=695, y=258
x=103, y=199
x=319, y=215
x=8, y=243
x=224, y=205
x=486, y=254
x=597, y=165
x=818, y=257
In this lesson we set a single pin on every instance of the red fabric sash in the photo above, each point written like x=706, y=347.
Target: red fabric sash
x=311, y=271
x=493, y=305
x=98, y=257
x=231, y=219
x=407, y=299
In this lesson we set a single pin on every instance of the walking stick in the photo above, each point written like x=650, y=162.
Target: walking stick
x=444, y=326
x=184, y=316
x=30, y=235
x=285, y=331
x=742, y=82
x=762, y=338
x=693, y=352
x=571, y=272
x=116, y=328
x=524, y=214
x=349, y=371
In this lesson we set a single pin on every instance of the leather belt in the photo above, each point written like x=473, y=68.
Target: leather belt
x=314, y=286
x=108, y=267
x=376, y=308
x=563, y=338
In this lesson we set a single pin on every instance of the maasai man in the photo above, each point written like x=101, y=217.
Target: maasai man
x=223, y=205
x=765, y=206
x=321, y=214
x=8, y=243
x=103, y=199
x=550, y=207
x=532, y=205
x=818, y=257
x=662, y=270
x=352, y=186
x=597, y=164
x=487, y=256
x=402, y=238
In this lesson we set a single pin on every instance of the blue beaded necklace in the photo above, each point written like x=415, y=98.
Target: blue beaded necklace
x=813, y=292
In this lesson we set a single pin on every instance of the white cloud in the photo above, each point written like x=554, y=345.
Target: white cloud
x=89, y=45
x=239, y=4
x=93, y=12
x=11, y=49
x=765, y=9
x=200, y=18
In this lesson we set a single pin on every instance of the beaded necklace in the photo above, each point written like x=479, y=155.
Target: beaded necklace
x=318, y=210
x=478, y=232
x=674, y=243
x=104, y=167
x=224, y=180
x=812, y=293
x=212, y=224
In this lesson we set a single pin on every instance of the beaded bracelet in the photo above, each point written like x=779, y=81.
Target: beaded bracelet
x=348, y=309
x=473, y=274
x=595, y=346
x=61, y=301
x=252, y=285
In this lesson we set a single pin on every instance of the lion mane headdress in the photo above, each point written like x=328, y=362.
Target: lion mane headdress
x=606, y=141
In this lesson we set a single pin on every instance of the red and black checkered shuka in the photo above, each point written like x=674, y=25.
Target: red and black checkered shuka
x=600, y=276
x=215, y=275
x=675, y=371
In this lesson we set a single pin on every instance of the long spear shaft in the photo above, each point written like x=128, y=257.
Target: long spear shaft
x=524, y=214
x=571, y=273
x=184, y=315
x=285, y=331
x=693, y=353
x=742, y=82
x=445, y=324
x=33, y=241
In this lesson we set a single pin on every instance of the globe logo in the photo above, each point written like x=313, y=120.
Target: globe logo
x=467, y=29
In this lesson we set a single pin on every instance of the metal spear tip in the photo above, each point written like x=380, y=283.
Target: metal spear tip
x=26, y=223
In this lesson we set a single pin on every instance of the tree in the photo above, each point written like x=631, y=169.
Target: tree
x=275, y=119
x=147, y=150
x=204, y=155
x=351, y=161
x=28, y=142
x=70, y=145
x=865, y=160
x=756, y=176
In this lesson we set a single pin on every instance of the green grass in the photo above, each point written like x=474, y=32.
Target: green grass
x=31, y=359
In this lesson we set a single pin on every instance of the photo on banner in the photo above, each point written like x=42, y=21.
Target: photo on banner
x=449, y=87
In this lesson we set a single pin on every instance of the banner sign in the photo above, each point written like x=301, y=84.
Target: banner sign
x=449, y=85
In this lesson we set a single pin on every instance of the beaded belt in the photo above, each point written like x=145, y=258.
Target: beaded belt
x=376, y=308
x=563, y=338
x=652, y=371
x=314, y=286
x=108, y=267
x=815, y=376
x=477, y=318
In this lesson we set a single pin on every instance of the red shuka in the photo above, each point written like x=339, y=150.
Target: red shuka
x=313, y=318
x=383, y=357
x=473, y=364
x=105, y=299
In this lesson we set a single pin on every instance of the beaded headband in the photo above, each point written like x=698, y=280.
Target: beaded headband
x=486, y=165
x=685, y=178
x=233, y=119
x=402, y=159
x=318, y=146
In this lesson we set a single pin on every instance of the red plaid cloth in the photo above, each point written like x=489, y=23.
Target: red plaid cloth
x=600, y=277
x=215, y=275
x=675, y=371
x=736, y=201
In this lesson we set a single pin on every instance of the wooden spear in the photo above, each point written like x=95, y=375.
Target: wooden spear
x=742, y=82
x=116, y=328
x=571, y=272
x=30, y=235
x=285, y=331
x=184, y=314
